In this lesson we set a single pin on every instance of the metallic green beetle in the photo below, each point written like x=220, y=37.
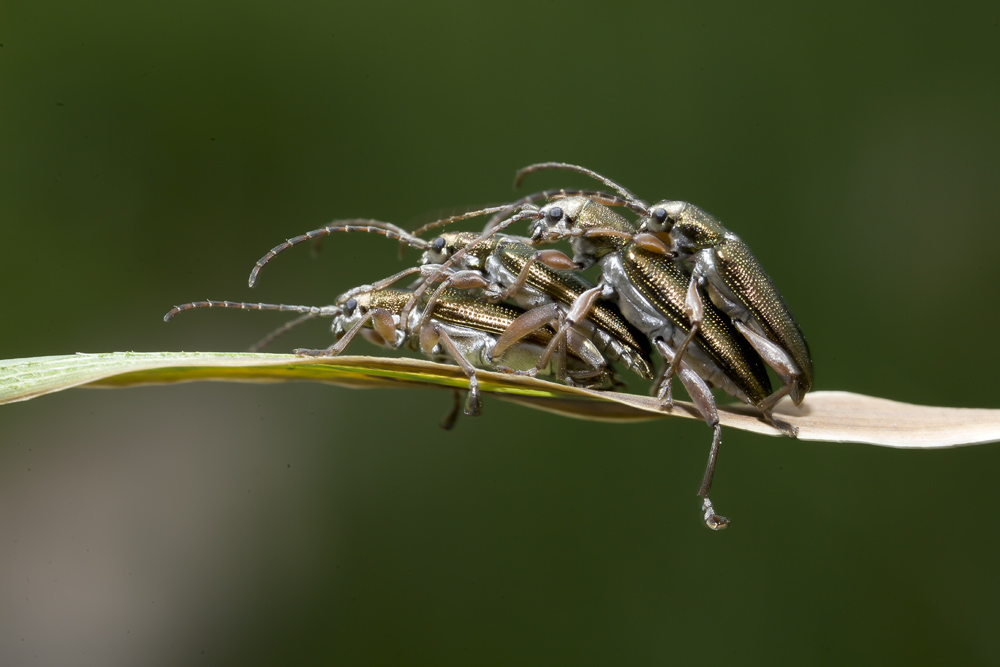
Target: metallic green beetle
x=457, y=327
x=650, y=289
x=723, y=267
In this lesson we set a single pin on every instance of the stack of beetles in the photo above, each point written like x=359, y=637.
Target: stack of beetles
x=496, y=301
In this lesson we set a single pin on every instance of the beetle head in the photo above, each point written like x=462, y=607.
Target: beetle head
x=351, y=310
x=689, y=227
x=559, y=219
x=663, y=216
x=444, y=246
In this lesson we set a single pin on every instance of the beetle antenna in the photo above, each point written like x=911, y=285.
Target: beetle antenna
x=620, y=189
x=386, y=229
x=284, y=328
x=456, y=218
x=381, y=284
x=314, y=311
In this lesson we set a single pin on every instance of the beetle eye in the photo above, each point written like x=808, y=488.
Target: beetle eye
x=554, y=214
x=660, y=214
x=351, y=304
x=438, y=244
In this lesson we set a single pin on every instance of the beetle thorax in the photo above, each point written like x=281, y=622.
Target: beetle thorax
x=698, y=229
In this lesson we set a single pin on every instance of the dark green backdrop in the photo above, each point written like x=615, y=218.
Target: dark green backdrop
x=151, y=152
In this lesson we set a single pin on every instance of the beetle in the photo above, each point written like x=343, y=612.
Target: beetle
x=457, y=326
x=650, y=289
x=723, y=268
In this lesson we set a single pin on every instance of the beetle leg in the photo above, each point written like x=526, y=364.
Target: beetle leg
x=565, y=338
x=652, y=243
x=530, y=321
x=554, y=259
x=382, y=321
x=577, y=312
x=448, y=422
x=430, y=336
x=373, y=337
x=702, y=397
x=694, y=308
x=561, y=343
x=784, y=366
x=465, y=279
x=663, y=386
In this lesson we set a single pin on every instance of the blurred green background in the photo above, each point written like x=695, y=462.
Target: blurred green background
x=151, y=152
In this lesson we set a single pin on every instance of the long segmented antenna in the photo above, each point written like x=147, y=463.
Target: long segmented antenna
x=620, y=189
x=461, y=216
x=315, y=311
x=386, y=229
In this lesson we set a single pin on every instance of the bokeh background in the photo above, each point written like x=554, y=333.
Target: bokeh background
x=151, y=152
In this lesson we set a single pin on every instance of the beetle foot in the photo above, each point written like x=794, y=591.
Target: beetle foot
x=666, y=396
x=531, y=372
x=781, y=425
x=306, y=352
x=713, y=520
x=664, y=388
x=473, y=404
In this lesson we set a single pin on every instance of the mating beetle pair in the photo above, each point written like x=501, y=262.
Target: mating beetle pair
x=455, y=327
x=677, y=282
